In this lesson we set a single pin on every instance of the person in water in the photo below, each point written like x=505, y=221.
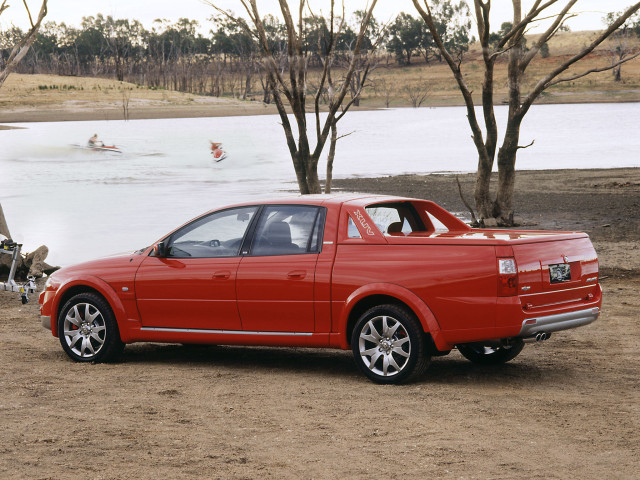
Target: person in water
x=94, y=142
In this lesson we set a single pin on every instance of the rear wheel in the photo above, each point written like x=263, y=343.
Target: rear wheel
x=491, y=355
x=388, y=345
x=87, y=329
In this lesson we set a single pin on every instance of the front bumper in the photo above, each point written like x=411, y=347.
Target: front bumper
x=560, y=321
x=46, y=322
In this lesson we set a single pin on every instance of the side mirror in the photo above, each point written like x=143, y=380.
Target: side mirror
x=160, y=249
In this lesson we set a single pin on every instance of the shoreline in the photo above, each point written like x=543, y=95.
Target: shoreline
x=230, y=108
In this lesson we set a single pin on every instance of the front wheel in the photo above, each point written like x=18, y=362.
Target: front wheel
x=491, y=355
x=388, y=345
x=88, y=330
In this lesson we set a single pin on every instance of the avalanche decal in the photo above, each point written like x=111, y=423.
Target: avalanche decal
x=363, y=222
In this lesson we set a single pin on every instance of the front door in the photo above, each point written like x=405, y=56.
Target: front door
x=275, y=282
x=194, y=286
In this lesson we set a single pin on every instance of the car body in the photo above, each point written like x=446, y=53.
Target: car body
x=396, y=280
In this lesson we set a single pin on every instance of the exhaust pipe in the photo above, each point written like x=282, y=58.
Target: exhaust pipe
x=538, y=337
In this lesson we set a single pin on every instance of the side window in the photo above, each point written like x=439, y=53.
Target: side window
x=395, y=219
x=387, y=219
x=288, y=230
x=217, y=235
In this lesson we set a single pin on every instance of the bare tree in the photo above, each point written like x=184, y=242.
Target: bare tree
x=623, y=41
x=511, y=43
x=417, y=93
x=126, y=97
x=22, y=46
x=293, y=90
x=385, y=89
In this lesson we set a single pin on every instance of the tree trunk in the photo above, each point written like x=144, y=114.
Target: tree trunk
x=482, y=197
x=299, y=165
x=313, y=181
x=330, y=157
x=503, y=206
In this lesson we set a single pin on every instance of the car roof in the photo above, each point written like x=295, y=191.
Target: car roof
x=324, y=199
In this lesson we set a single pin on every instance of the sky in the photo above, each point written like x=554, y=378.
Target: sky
x=72, y=11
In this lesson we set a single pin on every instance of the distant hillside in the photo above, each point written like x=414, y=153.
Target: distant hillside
x=392, y=85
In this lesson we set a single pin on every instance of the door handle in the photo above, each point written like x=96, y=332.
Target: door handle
x=298, y=274
x=222, y=274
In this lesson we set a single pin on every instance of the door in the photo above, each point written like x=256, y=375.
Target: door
x=194, y=285
x=275, y=281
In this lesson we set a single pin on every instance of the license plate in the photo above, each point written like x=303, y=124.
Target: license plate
x=560, y=272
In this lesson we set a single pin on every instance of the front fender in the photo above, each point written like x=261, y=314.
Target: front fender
x=95, y=283
x=415, y=303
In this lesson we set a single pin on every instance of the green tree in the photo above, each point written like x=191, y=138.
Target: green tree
x=406, y=37
x=453, y=23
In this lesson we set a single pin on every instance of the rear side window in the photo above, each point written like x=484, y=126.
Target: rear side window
x=395, y=218
x=353, y=230
x=289, y=230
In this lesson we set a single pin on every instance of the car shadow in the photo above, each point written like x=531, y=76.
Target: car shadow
x=451, y=370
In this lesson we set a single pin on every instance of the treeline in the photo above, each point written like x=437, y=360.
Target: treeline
x=177, y=56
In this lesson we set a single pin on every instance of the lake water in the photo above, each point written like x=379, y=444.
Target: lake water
x=84, y=204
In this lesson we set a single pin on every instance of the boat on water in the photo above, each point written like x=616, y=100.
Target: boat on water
x=104, y=148
x=98, y=148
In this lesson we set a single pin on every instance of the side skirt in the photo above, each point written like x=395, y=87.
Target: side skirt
x=229, y=337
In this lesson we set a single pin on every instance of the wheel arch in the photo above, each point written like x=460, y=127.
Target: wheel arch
x=374, y=294
x=87, y=285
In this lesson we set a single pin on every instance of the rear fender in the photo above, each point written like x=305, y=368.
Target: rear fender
x=420, y=309
x=93, y=283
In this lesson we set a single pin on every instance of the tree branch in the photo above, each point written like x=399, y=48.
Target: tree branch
x=560, y=18
x=544, y=82
x=26, y=7
x=518, y=28
x=457, y=73
x=335, y=105
x=593, y=70
x=474, y=221
x=525, y=146
x=21, y=48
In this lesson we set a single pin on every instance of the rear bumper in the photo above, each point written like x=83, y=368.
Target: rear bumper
x=560, y=321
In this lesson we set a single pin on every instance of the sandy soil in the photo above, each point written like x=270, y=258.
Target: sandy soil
x=568, y=408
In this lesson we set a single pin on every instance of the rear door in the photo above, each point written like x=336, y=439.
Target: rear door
x=275, y=282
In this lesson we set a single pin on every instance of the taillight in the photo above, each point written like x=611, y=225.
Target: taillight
x=507, y=277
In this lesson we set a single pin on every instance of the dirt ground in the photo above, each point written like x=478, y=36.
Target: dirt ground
x=567, y=408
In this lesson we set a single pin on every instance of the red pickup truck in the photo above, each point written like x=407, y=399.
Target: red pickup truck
x=396, y=280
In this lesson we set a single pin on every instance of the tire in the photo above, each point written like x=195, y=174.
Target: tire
x=88, y=330
x=490, y=355
x=388, y=345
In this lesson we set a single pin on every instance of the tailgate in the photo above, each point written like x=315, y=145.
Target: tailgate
x=557, y=272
